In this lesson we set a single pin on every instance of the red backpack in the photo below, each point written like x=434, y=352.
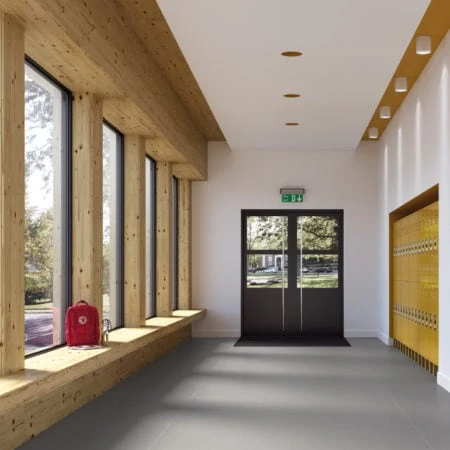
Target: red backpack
x=82, y=325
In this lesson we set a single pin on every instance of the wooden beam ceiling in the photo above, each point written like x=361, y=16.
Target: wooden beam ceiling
x=93, y=47
x=153, y=30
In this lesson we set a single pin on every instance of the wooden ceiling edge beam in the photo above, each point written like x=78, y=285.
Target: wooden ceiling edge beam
x=187, y=172
x=109, y=43
x=435, y=23
x=152, y=28
x=130, y=120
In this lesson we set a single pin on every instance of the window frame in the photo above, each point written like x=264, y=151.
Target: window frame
x=120, y=213
x=66, y=197
x=175, y=243
x=150, y=272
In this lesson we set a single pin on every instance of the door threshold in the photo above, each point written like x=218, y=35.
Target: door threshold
x=292, y=341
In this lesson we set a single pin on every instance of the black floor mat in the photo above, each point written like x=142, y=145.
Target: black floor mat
x=300, y=341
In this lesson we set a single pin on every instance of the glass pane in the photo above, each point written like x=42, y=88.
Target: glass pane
x=45, y=230
x=317, y=233
x=267, y=271
x=112, y=293
x=266, y=233
x=318, y=271
x=149, y=238
x=175, y=242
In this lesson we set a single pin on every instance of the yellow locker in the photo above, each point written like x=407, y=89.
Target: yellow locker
x=415, y=282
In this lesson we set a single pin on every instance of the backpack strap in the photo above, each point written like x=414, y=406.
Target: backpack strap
x=81, y=301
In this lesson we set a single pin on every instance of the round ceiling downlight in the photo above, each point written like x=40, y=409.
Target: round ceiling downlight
x=385, y=112
x=401, y=84
x=423, y=45
x=373, y=133
x=292, y=53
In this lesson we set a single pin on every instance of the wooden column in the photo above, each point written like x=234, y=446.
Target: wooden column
x=12, y=197
x=184, y=244
x=87, y=208
x=134, y=231
x=164, y=256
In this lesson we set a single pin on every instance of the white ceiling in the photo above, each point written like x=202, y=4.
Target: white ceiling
x=351, y=49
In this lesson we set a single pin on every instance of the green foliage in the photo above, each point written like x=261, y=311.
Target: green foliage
x=266, y=232
x=320, y=281
x=38, y=130
x=319, y=233
x=270, y=233
x=39, y=123
x=106, y=267
x=38, y=254
x=41, y=153
x=253, y=261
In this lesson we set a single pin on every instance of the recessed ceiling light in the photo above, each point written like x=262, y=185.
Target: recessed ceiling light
x=373, y=133
x=291, y=95
x=401, y=84
x=291, y=124
x=385, y=112
x=291, y=53
x=423, y=45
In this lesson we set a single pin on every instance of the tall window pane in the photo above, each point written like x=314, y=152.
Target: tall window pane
x=150, y=238
x=112, y=226
x=175, y=242
x=47, y=249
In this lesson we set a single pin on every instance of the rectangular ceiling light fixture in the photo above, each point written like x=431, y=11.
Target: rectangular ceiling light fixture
x=292, y=191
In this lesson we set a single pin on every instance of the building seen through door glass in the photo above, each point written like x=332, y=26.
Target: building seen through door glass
x=267, y=260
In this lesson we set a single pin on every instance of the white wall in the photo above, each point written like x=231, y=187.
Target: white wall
x=250, y=180
x=415, y=156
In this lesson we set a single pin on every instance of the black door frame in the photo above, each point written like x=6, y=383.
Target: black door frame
x=339, y=213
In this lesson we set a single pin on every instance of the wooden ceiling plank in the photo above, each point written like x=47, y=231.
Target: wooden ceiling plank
x=152, y=28
x=113, y=59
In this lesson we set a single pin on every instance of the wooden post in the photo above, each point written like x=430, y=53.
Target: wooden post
x=134, y=231
x=87, y=216
x=164, y=257
x=184, y=244
x=12, y=197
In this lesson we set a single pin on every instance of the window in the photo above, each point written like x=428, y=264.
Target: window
x=318, y=249
x=150, y=238
x=47, y=210
x=175, y=242
x=267, y=251
x=112, y=226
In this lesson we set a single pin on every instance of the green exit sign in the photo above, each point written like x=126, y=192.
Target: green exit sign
x=292, y=198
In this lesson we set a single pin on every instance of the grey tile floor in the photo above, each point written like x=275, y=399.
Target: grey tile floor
x=209, y=395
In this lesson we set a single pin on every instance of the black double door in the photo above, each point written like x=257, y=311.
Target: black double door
x=292, y=273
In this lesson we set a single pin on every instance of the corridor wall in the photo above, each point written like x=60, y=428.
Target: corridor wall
x=241, y=179
x=415, y=155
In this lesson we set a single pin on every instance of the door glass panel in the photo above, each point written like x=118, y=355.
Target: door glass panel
x=266, y=233
x=317, y=271
x=268, y=271
x=317, y=233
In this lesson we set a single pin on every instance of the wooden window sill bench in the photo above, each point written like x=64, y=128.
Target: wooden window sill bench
x=66, y=379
